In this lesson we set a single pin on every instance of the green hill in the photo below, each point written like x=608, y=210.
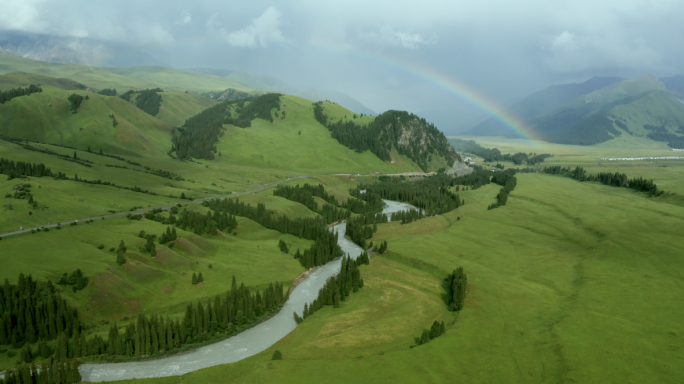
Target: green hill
x=122, y=79
x=23, y=79
x=47, y=117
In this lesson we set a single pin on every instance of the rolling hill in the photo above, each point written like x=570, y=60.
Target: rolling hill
x=122, y=79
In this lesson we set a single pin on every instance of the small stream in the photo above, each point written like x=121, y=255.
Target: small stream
x=242, y=345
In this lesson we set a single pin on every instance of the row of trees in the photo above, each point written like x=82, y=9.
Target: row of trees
x=20, y=168
x=616, y=179
x=34, y=312
x=455, y=285
x=337, y=288
x=508, y=181
x=10, y=94
x=51, y=372
x=437, y=329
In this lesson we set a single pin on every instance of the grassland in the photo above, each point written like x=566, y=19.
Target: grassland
x=569, y=282
x=122, y=79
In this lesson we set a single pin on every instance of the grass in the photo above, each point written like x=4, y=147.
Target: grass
x=569, y=282
x=122, y=79
x=666, y=173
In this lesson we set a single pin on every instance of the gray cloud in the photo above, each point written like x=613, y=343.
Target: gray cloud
x=371, y=49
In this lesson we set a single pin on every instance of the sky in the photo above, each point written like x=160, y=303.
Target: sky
x=465, y=58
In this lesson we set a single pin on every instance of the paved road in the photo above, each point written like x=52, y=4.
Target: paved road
x=141, y=211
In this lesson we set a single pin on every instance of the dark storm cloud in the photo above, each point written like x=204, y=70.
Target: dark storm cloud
x=503, y=49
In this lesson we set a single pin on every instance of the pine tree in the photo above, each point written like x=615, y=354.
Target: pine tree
x=277, y=355
x=194, y=279
x=200, y=279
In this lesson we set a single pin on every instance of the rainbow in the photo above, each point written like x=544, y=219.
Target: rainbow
x=441, y=81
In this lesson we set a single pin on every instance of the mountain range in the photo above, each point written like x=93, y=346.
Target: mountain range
x=599, y=110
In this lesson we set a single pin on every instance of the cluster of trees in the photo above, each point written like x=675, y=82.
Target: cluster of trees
x=282, y=246
x=8, y=95
x=430, y=194
x=337, y=288
x=437, y=329
x=613, y=179
x=149, y=101
x=408, y=216
x=169, y=235
x=199, y=135
x=455, y=284
x=362, y=227
x=196, y=279
x=20, y=168
x=75, y=100
x=325, y=247
x=32, y=311
x=388, y=131
x=76, y=279
x=52, y=372
x=206, y=224
x=475, y=179
x=382, y=248
x=507, y=180
x=108, y=92
x=120, y=252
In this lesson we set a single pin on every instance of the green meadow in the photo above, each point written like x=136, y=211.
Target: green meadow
x=569, y=282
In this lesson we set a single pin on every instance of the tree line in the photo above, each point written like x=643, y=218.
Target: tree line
x=616, y=179
x=336, y=289
x=10, y=94
x=34, y=312
x=389, y=131
x=20, y=169
x=508, y=181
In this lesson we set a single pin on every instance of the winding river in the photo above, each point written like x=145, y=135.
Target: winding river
x=242, y=345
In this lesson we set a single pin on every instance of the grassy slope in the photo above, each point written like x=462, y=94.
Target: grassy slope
x=279, y=145
x=558, y=291
x=178, y=107
x=121, y=78
x=46, y=116
x=23, y=79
